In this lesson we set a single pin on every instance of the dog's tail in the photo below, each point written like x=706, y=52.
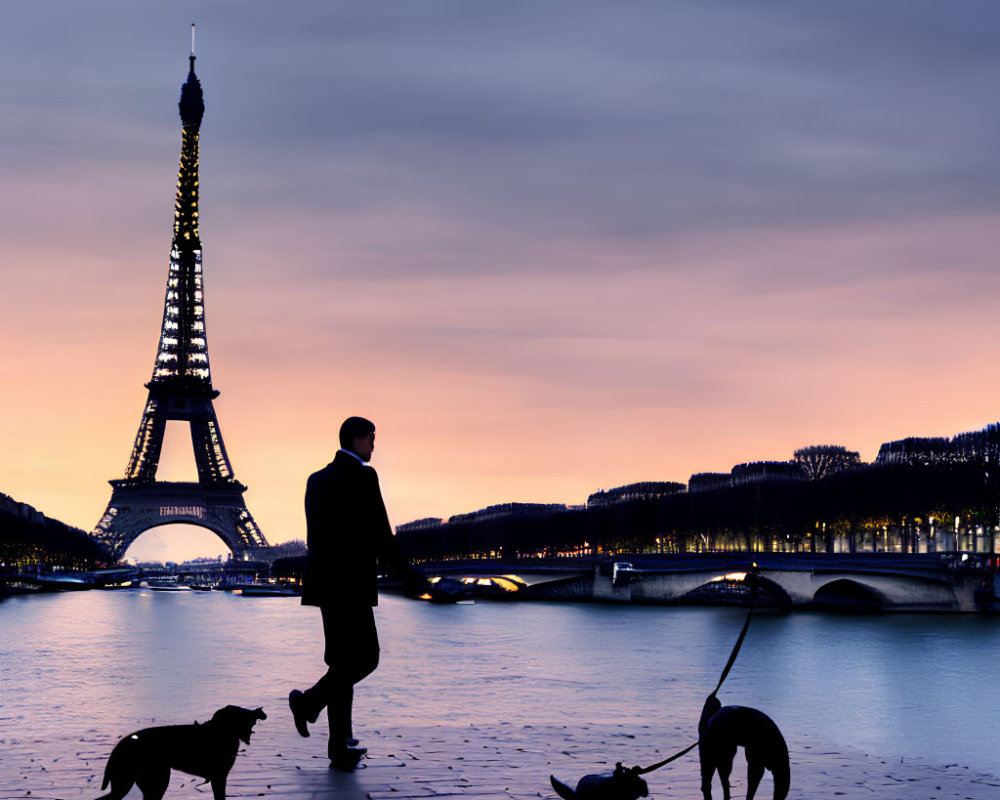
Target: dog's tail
x=111, y=767
x=107, y=773
x=562, y=789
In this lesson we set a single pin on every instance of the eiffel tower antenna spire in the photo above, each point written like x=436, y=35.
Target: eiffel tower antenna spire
x=181, y=389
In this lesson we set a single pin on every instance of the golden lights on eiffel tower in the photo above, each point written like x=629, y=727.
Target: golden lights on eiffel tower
x=180, y=389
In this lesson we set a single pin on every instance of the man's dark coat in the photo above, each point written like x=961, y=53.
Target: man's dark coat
x=347, y=534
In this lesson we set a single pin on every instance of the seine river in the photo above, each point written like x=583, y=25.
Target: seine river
x=94, y=664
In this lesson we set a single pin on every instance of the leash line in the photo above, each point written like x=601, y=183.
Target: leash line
x=725, y=674
x=674, y=757
x=739, y=640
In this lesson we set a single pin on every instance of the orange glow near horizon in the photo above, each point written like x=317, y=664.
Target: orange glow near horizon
x=603, y=381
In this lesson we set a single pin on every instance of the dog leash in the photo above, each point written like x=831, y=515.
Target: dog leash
x=658, y=764
x=725, y=673
x=743, y=633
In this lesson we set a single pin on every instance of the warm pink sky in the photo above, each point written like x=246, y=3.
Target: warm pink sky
x=633, y=247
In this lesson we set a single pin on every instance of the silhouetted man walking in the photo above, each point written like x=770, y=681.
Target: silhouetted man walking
x=348, y=534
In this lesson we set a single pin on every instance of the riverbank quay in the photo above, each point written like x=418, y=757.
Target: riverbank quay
x=489, y=761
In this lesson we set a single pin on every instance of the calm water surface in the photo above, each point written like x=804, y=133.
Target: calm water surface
x=894, y=685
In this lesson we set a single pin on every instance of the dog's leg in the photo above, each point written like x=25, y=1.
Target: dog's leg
x=707, y=772
x=726, y=768
x=219, y=786
x=755, y=771
x=153, y=782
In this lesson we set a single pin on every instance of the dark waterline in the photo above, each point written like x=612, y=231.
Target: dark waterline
x=916, y=686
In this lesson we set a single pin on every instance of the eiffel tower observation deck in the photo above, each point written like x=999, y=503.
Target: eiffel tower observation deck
x=181, y=389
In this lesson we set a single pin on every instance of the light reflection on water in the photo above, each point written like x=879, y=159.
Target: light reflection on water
x=894, y=685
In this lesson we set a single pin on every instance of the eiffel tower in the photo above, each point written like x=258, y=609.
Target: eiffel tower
x=181, y=389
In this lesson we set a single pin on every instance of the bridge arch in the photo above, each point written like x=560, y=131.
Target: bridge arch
x=771, y=592
x=723, y=589
x=845, y=594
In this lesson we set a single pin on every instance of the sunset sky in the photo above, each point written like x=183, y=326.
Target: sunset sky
x=548, y=247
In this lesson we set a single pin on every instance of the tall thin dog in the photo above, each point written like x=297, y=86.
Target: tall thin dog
x=722, y=729
x=145, y=758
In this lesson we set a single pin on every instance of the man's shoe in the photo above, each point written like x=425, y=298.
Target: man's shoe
x=346, y=759
x=296, y=702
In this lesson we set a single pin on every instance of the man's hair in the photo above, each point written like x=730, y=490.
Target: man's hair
x=354, y=428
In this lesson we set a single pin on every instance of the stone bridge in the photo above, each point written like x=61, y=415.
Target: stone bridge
x=868, y=581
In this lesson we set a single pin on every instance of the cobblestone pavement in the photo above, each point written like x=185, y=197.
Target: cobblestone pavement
x=488, y=761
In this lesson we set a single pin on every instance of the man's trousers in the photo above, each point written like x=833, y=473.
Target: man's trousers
x=351, y=652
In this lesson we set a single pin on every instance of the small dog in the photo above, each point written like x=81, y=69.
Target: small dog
x=145, y=758
x=724, y=728
x=622, y=784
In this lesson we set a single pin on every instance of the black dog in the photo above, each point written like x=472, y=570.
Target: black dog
x=724, y=728
x=146, y=757
x=622, y=784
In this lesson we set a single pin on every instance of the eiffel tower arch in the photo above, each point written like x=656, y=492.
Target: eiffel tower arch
x=181, y=390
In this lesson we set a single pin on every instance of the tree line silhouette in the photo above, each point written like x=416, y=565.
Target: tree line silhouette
x=29, y=538
x=853, y=507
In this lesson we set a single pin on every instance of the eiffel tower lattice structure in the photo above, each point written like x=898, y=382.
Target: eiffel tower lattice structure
x=181, y=389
